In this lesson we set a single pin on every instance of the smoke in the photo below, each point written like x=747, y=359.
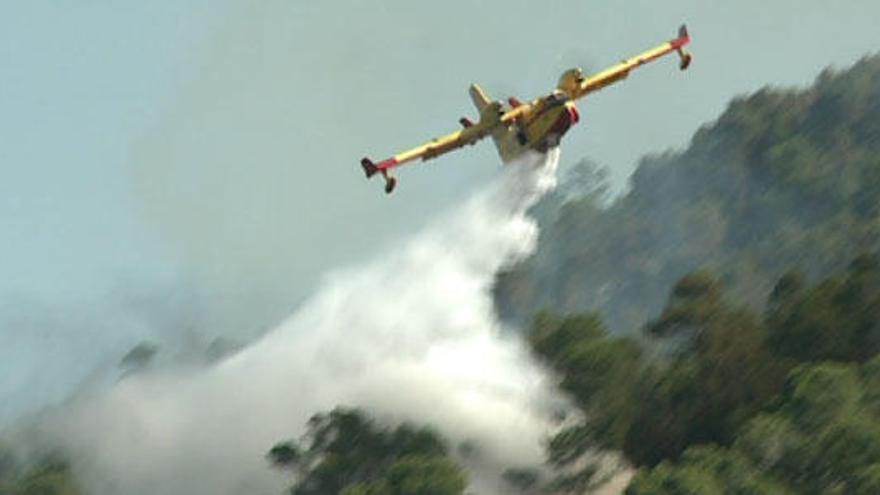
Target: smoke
x=409, y=336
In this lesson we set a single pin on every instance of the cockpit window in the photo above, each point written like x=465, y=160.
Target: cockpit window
x=555, y=98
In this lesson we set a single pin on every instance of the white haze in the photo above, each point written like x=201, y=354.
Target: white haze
x=411, y=335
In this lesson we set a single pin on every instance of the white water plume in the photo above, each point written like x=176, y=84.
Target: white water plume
x=411, y=335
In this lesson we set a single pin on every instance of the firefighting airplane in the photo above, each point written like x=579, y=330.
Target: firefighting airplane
x=537, y=125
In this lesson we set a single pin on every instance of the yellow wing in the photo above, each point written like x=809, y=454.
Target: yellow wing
x=437, y=146
x=576, y=86
x=490, y=119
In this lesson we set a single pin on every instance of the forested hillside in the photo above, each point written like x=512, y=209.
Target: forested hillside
x=784, y=179
x=712, y=397
x=741, y=284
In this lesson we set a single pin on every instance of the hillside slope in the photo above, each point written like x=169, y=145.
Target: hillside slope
x=784, y=179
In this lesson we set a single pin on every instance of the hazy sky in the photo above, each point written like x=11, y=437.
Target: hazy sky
x=215, y=144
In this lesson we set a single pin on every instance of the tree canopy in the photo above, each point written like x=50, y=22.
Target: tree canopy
x=707, y=389
x=344, y=451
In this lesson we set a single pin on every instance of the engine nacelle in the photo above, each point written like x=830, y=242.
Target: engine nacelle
x=570, y=81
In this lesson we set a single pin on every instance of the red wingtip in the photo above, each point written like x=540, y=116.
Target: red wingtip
x=683, y=38
x=386, y=164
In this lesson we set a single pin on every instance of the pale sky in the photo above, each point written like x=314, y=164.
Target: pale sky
x=214, y=144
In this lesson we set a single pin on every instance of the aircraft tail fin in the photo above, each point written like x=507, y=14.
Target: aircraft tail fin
x=479, y=97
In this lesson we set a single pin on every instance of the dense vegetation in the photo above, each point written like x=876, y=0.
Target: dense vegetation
x=758, y=372
x=50, y=475
x=783, y=179
x=711, y=394
x=822, y=435
x=346, y=452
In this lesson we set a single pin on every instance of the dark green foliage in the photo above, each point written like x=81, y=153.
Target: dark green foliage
x=694, y=302
x=600, y=373
x=285, y=454
x=344, y=451
x=573, y=483
x=839, y=319
x=415, y=475
x=569, y=445
x=708, y=372
x=871, y=380
x=522, y=480
x=49, y=475
x=668, y=480
x=714, y=371
x=368, y=488
x=783, y=179
x=774, y=442
x=665, y=423
x=823, y=437
x=706, y=470
x=552, y=336
x=426, y=475
x=867, y=480
x=818, y=394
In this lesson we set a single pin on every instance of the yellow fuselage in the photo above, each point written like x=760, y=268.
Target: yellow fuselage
x=548, y=122
x=538, y=125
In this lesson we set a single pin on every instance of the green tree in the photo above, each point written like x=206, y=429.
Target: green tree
x=867, y=480
x=344, y=451
x=600, y=373
x=719, y=373
x=426, y=475
x=48, y=475
x=706, y=470
x=774, y=442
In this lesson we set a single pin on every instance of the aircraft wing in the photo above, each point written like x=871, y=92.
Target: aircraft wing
x=621, y=70
x=436, y=147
